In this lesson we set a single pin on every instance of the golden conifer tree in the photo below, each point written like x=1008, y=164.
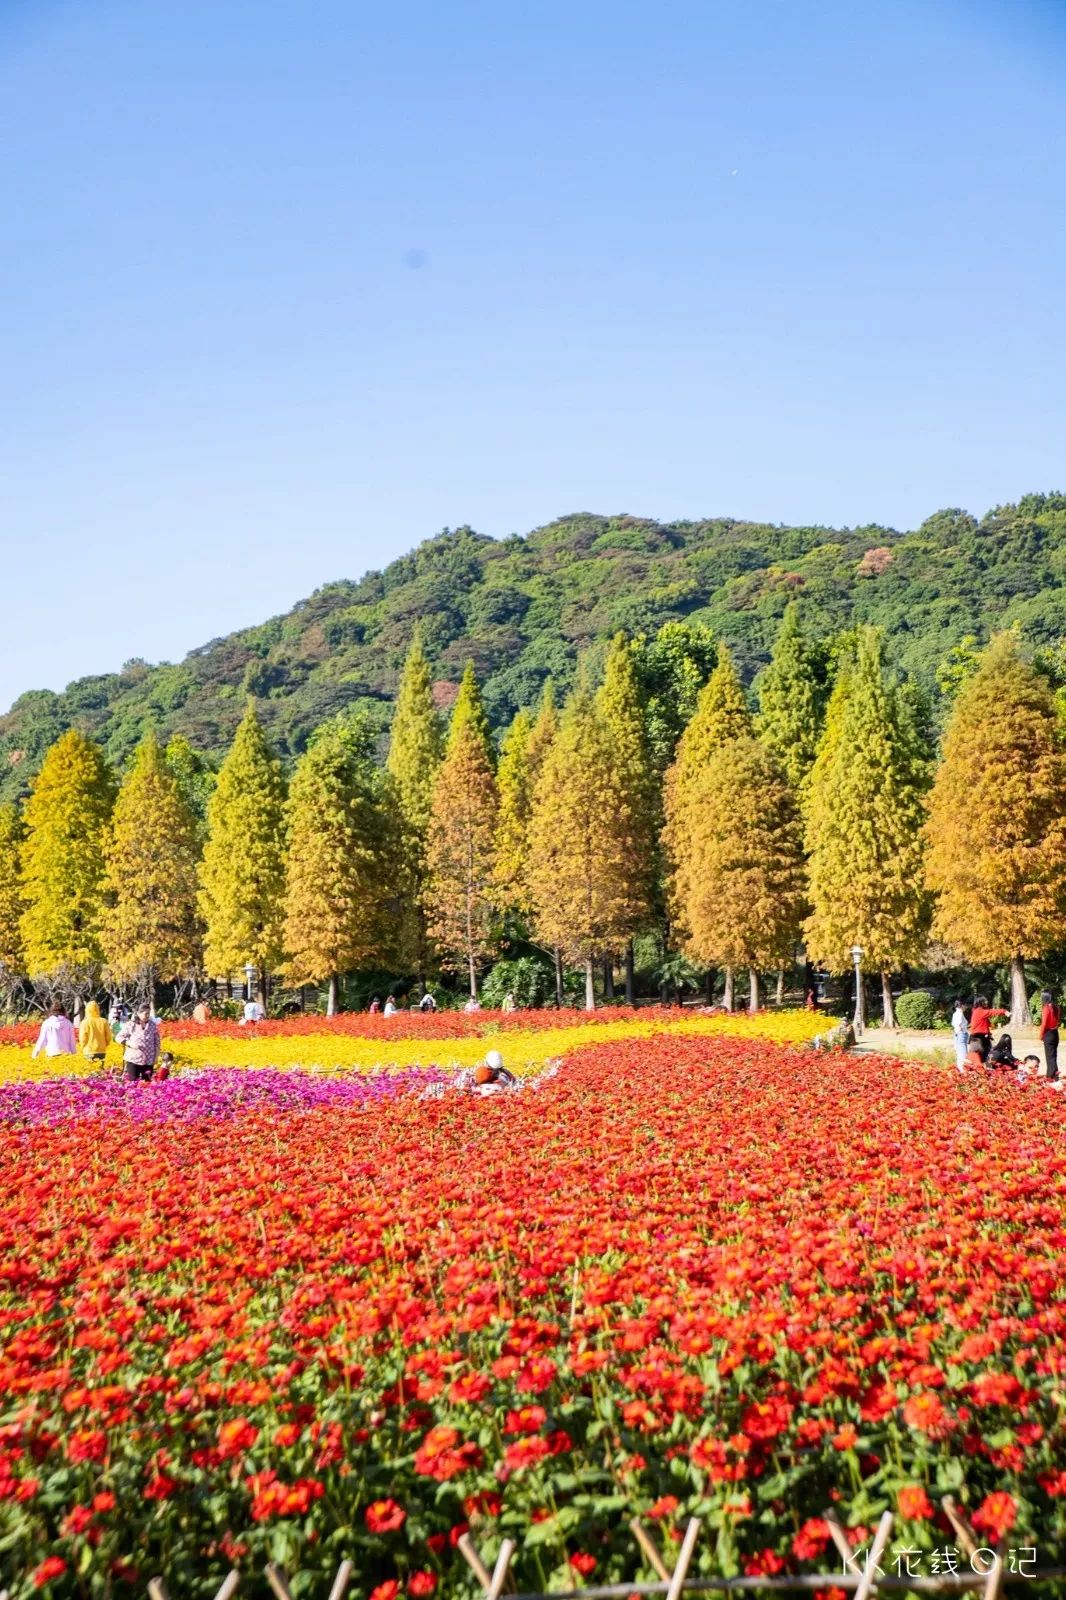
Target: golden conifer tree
x=545, y=727
x=461, y=844
x=150, y=929
x=997, y=820
x=865, y=806
x=341, y=858
x=66, y=818
x=721, y=715
x=12, y=900
x=746, y=877
x=577, y=875
x=242, y=873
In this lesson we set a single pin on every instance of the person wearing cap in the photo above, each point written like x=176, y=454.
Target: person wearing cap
x=492, y=1074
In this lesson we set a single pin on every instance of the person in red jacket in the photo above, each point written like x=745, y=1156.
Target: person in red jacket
x=1050, y=1018
x=981, y=1026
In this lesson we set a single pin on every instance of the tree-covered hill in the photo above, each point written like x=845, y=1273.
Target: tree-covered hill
x=525, y=608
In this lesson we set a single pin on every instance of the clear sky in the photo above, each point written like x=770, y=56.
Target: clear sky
x=288, y=285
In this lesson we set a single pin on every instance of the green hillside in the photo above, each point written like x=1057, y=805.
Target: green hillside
x=524, y=608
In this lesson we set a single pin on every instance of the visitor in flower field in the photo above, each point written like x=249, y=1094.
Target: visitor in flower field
x=981, y=1026
x=201, y=1012
x=1002, y=1054
x=141, y=1046
x=390, y=1006
x=375, y=1006
x=116, y=1016
x=1050, y=1017
x=94, y=1035
x=492, y=1074
x=427, y=1002
x=508, y=1002
x=253, y=1011
x=473, y=1004
x=960, y=1028
x=56, y=1037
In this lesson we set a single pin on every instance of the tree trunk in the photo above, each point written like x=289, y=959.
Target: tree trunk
x=473, y=977
x=780, y=996
x=1019, y=999
x=261, y=988
x=887, y=1009
x=608, y=977
x=558, y=978
x=708, y=986
x=331, y=1001
x=630, y=990
x=590, y=988
x=727, y=996
x=753, y=989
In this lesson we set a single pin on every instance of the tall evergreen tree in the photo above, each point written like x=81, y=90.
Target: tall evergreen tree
x=620, y=708
x=721, y=715
x=997, y=819
x=242, y=874
x=66, y=818
x=542, y=733
x=195, y=778
x=414, y=758
x=12, y=900
x=340, y=861
x=790, y=700
x=577, y=871
x=672, y=668
x=462, y=837
x=864, y=814
x=512, y=828
x=746, y=879
x=150, y=930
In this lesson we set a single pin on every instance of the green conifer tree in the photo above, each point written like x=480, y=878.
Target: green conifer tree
x=997, y=819
x=242, y=873
x=620, y=707
x=864, y=814
x=415, y=753
x=150, y=929
x=512, y=828
x=461, y=842
x=195, y=778
x=66, y=818
x=341, y=858
x=791, y=700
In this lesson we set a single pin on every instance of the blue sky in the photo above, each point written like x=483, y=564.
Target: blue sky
x=287, y=287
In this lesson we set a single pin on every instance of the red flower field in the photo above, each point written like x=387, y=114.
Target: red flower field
x=682, y=1276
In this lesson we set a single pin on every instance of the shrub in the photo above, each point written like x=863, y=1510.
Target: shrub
x=916, y=1008
x=530, y=982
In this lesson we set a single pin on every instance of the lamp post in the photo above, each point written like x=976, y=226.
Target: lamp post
x=249, y=974
x=859, y=1020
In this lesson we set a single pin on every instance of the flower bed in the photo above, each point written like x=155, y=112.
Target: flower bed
x=529, y=1039
x=683, y=1275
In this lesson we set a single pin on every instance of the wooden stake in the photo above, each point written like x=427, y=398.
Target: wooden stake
x=277, y=1580
x=468, y=1550
x=868, y=1581
x=157, y=1589
x=229, y=1585
x=963, y=1532
x=341, y=1581
x=840, y=1539
x=499, y=1575
x=650, y=1550
x=688, y=1545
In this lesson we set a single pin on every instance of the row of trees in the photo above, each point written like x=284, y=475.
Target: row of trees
x=822, y=817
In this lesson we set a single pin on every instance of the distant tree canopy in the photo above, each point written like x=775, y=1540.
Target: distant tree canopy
x=524, y=609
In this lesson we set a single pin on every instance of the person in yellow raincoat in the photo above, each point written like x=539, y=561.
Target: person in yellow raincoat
x=94, y=1035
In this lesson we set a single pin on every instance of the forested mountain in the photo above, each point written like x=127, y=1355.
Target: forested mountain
x=525, y=608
